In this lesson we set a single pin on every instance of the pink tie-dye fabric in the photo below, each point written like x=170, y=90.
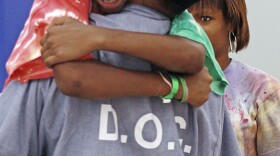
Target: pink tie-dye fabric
x=253, y=103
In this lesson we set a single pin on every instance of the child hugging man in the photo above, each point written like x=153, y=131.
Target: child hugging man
x=130, y=119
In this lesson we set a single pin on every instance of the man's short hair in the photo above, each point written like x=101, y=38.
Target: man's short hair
x=178, y=6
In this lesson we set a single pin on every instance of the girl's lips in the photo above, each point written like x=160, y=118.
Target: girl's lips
x=109, y=1
x=110, y=4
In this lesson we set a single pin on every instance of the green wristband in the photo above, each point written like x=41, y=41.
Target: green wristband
x=185, y=89
x=174, y=88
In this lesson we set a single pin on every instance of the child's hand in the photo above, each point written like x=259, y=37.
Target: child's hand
x=66, y=39
x=199, y=87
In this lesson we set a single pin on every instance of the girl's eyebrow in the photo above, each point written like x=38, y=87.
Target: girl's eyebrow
x=206, y=11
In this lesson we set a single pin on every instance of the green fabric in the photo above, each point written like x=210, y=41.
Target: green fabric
x=184, y=25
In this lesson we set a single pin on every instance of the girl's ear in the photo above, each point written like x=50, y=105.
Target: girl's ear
x=230, y=27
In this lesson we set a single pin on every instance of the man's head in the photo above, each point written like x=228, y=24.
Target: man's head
x=177, y=6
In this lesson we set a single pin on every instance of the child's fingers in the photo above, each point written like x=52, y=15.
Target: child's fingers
x=43, y=40
x=50, y=61
x=44, y=47
x=57, y=21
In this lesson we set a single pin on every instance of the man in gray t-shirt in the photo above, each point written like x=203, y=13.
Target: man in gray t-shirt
x=40, y=120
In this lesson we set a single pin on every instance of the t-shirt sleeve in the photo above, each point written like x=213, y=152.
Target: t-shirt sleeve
x=268, y=120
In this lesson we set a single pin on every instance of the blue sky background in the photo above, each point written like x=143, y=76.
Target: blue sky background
x=13, y=14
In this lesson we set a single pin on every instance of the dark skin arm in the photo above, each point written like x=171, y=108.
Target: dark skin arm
x=74, y=79
x=88, y=79
x=68, y=39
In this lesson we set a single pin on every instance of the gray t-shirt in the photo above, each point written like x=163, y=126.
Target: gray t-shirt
x=37, y=119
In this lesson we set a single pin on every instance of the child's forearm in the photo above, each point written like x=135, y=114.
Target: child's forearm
x=71, y=40
x=172, y=53
x=96, y=80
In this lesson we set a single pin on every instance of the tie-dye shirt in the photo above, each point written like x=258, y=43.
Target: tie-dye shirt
x=253, y=103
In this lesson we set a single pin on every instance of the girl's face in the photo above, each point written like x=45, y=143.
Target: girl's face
x=216, y=27
x=110, y=6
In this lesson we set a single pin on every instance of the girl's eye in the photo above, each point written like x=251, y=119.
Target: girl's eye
x=205, y=18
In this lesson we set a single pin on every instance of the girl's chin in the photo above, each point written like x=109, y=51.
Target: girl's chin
x=109, y=6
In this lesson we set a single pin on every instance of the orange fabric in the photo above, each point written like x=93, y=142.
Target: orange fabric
x=25, y=62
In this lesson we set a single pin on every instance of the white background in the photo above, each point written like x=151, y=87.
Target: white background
x=263, y=51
